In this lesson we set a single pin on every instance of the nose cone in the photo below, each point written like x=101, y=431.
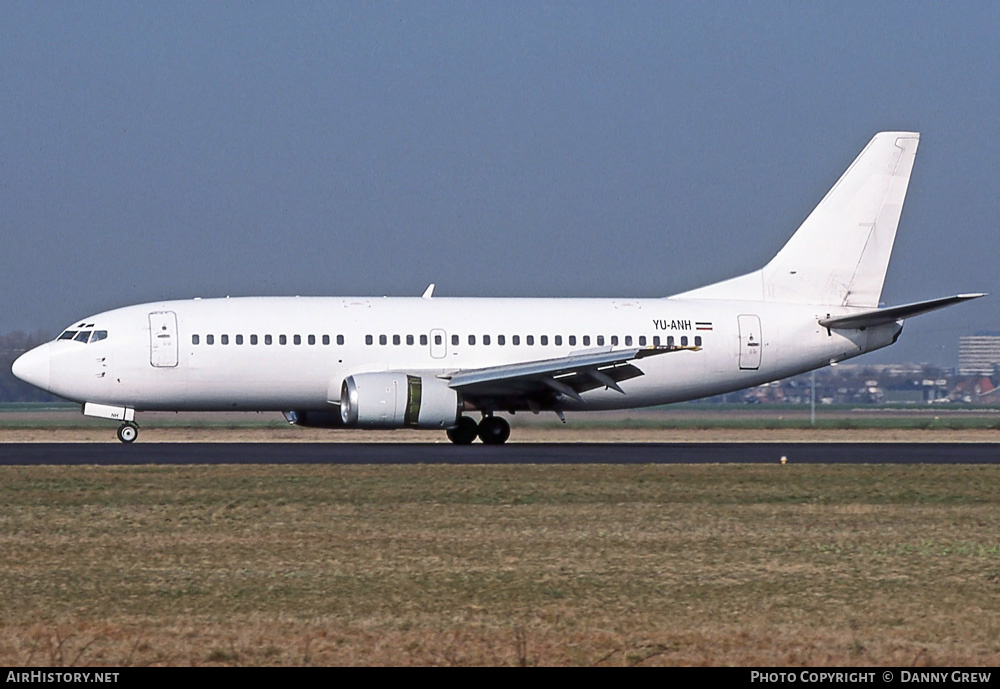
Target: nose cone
x=34, y=367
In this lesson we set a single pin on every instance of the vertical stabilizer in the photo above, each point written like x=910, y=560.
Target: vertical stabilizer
x=840, y=254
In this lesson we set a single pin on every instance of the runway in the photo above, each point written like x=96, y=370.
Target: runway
x=33, y=454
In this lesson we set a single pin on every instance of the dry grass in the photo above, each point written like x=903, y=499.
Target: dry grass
x=500, y=565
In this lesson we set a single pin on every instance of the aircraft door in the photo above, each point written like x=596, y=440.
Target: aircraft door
x=750, y=343
x=163, y=339
x=439, y=343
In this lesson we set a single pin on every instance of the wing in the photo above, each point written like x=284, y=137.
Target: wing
x=542, y=384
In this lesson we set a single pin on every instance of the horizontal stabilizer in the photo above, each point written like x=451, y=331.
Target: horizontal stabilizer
x=868, y=319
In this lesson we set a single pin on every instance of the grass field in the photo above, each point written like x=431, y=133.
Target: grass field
x=500, y=565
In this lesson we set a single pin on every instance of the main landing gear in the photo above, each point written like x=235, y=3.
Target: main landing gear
x=128, y=432
x=492, y=430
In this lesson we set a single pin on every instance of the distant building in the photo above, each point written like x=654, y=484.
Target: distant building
x=978, y=354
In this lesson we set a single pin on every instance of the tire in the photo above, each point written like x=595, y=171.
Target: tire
x=127, y=433
x=464, y=432
x=494, y=430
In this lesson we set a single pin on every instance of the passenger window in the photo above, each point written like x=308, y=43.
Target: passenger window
x=600, y=340
x=515, y=340
x=614, y=340
x=586, y=340
x=501, y=340
x=253, y=339
x=209, y=339
x=684, y=341
x=438, y=339
x=642, y=340
x=194, y=339
x=529, y=340
x=340, y=339
x=296, y=339
x=312, y=339
x=383, y=339
x=454, y=339
x=697, y=341
x=369, y=340
x=628, y=340
x=224, y=339
x=423, y=340
x=572, y=340
x=670, y=341
x=239, y=339
x=395, y=339
x=544, y=339
x=282, y=339
x=410, y=340
x=472, y=339
x=268, y=340
x=557, y=340
x=486, y=339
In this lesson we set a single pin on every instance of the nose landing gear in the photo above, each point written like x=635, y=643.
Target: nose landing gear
x=128, y=431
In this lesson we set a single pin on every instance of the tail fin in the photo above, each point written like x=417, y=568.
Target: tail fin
x=840, y=254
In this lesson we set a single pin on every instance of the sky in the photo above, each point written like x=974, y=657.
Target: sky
x=167, y=150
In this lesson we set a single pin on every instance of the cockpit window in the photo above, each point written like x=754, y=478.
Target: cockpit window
x=84, y=335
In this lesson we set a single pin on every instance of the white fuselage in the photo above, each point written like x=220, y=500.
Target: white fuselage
x=282, y=353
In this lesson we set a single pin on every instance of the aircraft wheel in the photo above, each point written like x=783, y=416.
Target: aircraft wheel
x=128, y=432
x=465, y=432
x=494, y=430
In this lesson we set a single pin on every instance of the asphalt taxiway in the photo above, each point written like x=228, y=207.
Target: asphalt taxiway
x=28, y=454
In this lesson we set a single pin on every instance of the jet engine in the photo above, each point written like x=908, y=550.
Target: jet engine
x=397, y=400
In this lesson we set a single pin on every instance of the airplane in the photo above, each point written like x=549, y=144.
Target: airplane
x=428, y=362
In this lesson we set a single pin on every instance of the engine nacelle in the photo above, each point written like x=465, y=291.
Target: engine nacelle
x=397, y=400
